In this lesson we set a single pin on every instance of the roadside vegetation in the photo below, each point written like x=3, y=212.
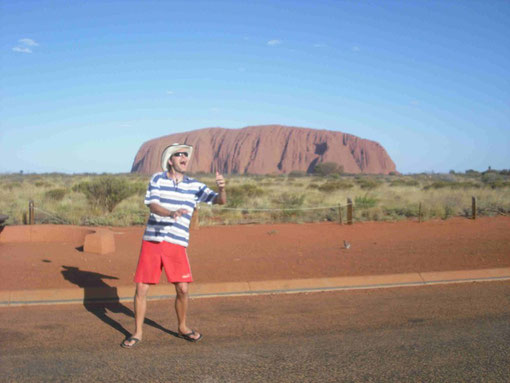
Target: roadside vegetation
x=117, y=199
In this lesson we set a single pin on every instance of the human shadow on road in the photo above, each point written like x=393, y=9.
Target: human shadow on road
x=99, y=298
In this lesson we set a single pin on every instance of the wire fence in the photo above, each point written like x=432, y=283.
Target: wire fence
x=220, y=215
x=347, y=213
x=44, y=216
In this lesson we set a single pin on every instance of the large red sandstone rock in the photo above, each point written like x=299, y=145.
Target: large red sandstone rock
x=268, y=149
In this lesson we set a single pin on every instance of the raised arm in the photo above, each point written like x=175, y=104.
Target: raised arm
x=221, y=199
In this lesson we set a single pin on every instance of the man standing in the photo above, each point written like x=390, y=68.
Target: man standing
x=171, y=198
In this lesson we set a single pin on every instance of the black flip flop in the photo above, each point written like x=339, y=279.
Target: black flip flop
x=188, y=336
x=130, y=339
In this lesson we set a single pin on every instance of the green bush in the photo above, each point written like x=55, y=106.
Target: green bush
x=12, y=185
x=105, y=192
x=472, y=173
x=40, y=184
x=289, y=201
x=331, y=186
x=139, y=188
x=328, y=168
x=452, y=185
x=368, y=183
x=404, y=211
x=237, y=195
x=499, y=184
x=495, y=180
x=404, y=182
x=297, y=173
x=55, y=194
x=365, y=202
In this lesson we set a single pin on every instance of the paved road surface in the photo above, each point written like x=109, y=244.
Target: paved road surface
x=436, y=334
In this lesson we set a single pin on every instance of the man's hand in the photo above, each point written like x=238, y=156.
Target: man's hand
x=220, y=181
x=176, y=214
x=163, y=212
x=221, y=198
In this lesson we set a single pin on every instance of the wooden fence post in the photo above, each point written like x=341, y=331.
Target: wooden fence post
x=419, y=213
x=349, y=211
x=340, y=215
x=31, y=215
x=473, y=207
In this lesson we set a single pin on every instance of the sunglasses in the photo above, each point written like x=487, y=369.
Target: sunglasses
x=180, y=154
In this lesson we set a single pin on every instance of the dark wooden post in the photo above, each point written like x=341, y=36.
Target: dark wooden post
x=473, y=207
x=340, y=215
x=349, y=211
x=419, y=213
x=31, y=215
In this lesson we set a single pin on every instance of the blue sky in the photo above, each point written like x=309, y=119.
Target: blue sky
x=85, y=83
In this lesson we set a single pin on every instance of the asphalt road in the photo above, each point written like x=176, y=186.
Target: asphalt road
x=450, y=333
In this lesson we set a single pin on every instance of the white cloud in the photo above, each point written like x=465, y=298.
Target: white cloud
x=25, y=45
x=22, y=49
x=274, y=42
x=169, y=92
x=28, y=42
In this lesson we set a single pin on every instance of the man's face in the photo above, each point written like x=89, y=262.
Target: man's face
x=179, y=161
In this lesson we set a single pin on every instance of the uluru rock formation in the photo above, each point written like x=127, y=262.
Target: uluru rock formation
x=268, y=149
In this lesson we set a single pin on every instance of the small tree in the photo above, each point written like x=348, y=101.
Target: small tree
x=106, y=192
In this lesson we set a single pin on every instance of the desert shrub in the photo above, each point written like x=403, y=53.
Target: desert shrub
x=495, y=180
x=499, y=184
x=312, y=186
x=448, y=211
x=41, y=184
x=139, y=188
x=290, y=203
x=55, y=194
x=368, y=183
x=289, y=200
x=403, y=211
x=297, y=173
x=404, y=182
x=452, y=185
x=489, y=177
x=237, y=195
x=331, y=186
x=12, y=185
x=365, y=202
x=328, y=168
x=105, y=192
x=472, y=173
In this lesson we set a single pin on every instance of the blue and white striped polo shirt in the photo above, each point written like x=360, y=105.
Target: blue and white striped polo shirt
x=183, y=195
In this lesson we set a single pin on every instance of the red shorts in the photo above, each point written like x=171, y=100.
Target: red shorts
x=156, y=255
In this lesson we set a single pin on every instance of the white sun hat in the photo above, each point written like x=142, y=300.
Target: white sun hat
x=174, y=148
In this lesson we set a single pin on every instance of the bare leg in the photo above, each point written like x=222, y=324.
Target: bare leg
x=140, y=303
x=181, y=308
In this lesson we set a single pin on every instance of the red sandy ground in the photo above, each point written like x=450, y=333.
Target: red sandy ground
x=268, y=252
